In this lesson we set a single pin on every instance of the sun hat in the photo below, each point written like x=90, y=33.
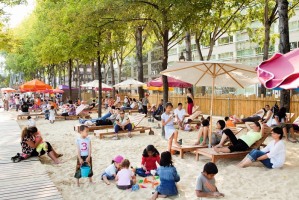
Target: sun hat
x=118, y=159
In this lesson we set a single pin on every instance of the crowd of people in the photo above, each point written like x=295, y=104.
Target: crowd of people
x=173, y=121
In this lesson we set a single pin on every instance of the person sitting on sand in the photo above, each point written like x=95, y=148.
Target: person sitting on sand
x=122, y=122
x=83, y=153
x=168, y=177
x=244, y=142
x=29, y=144
x=111, y=171
x=203, y=133
x=150, y=157
x=125, y=177
x=272, y=156
x=205, y=183
x=187, y=126
x=31, y=122
x=170, y=132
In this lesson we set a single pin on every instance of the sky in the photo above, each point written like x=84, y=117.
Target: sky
x=18, y=13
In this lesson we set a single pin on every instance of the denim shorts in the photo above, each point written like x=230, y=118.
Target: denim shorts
x=108, y=176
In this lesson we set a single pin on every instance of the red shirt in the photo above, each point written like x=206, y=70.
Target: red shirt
x=150, y=162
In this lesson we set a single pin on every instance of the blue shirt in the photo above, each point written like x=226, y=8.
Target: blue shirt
x=168, y=178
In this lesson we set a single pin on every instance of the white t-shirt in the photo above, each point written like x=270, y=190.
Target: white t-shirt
x=84, y=145
x=122, y=121
x=180, y=113
x=17, y=101
x=111, y=170
x=276, y=153
x=124, y=177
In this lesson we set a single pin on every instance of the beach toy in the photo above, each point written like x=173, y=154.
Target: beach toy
x=141, y=186
x=146, y=180
x=140, y=181
x=135, y=187
x=157, y=177
x=85, y=171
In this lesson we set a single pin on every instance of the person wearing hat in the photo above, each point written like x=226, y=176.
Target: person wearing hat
x=272, y=156
x=111, y=171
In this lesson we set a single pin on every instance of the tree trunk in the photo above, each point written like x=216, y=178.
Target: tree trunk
x=139, y=59
x=284, y=45
x=188, y=47
x=100, y=84
x=267, y=25
x=198, y=49
x=70, y=77
x=54, y=76
x=60, y=76
x=112, y=78
x=78, y=80
x=164, y=65
x=119, y=71
x=112, y=74
x=93, y=77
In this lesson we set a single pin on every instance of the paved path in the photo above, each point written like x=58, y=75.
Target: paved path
x=20, y=180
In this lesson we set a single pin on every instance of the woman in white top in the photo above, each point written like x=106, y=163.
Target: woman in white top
x=272, y=156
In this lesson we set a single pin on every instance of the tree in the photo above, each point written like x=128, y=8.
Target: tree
x=284, y=45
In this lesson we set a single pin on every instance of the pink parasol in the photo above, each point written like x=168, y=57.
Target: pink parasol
x=282, y=70
x=172, y=82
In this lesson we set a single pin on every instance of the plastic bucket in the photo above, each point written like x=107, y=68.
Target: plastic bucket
x=85, y=171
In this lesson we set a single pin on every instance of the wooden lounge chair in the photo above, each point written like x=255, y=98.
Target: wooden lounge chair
x=209, y=152
x=191, y=148
x=195, y=115
x=135, y=119
x=72, y=117
x=24, y=116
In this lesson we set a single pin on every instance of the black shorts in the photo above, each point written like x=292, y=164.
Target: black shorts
x=240, y=146
x=50, y=148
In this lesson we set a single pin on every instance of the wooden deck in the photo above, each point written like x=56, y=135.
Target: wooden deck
x=20, y=180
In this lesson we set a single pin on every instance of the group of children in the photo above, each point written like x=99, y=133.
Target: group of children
x=119, y=170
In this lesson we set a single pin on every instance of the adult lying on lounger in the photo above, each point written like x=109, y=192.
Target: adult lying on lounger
x=258, y=115
x=244, y=142
x=111, y=115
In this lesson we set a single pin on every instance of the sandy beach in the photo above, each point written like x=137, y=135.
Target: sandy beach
x=255, y=182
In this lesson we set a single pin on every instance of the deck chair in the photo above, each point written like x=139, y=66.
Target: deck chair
x=36, y=115
x=195, y=115
x=79, y=114
x=209, y=152
x=135, y=119
x=191, y=148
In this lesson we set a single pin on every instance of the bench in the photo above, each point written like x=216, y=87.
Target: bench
x=37, y=115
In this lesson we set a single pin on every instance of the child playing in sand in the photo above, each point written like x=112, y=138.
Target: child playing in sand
x=187, y=126
x=83, y=153
x=42, y=145
x=205, y=183
x=52, y=115
x=168, y=178
x=229, y=122
x=125, y=177
x=111, y=171
x=31, y=122
x=170, y=132
x=150, y=157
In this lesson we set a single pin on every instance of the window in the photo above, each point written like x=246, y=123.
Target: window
x=225, y=40
x=226, y=56
x=293, y=25
x=294, y=45
x=242, y=37
x=245, y=52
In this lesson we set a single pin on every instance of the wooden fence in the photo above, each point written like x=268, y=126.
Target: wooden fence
x=227, y=105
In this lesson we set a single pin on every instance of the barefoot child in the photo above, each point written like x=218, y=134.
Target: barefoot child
x=170, y=132
x=205, y=183
x=84, y=153
x=111, y=170
x=52, y=115
x=150, y=157
x=168, y=178
x=125, y=177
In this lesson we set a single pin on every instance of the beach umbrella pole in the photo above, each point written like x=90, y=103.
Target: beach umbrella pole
x=211, y=109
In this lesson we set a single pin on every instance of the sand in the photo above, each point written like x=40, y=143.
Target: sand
x=255, y=182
